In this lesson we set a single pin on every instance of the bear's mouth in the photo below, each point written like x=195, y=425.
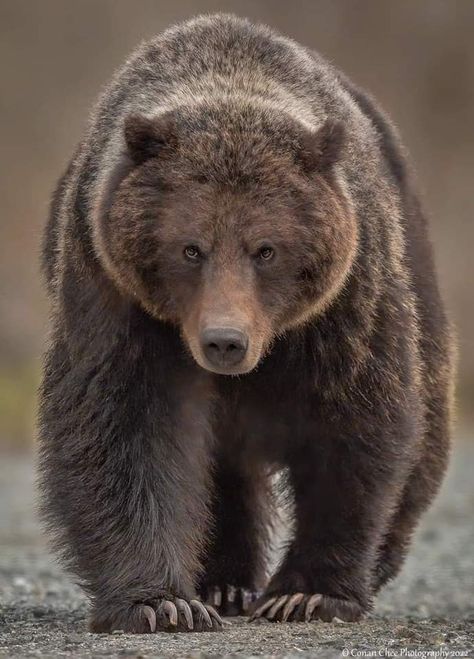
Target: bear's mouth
x=226, y=370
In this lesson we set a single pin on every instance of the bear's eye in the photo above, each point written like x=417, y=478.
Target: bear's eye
x=192, y=253
x=266, y=253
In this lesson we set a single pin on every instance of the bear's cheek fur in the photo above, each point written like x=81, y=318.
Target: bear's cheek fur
x=326, y=259
x=142, y=264
x=131, y=261
x=124, y=225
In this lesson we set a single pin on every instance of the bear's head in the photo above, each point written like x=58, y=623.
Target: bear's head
x=231, y=225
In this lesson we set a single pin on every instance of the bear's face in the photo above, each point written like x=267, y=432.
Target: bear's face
x=232, y=260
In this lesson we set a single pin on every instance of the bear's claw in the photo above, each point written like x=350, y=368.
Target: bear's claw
x=150, y=616
x=184, y=608
x=312, y=603
x=204, y=611
x=169, y=609
x=231, y=600
x=179, y=615
x=293, y=602
x=303, y=607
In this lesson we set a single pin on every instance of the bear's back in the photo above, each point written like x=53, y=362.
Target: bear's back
x=222, y=57
x=211, y=57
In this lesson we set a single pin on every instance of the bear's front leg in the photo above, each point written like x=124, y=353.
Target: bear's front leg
x=125, y=477
x=234, y=573
x=345, y=484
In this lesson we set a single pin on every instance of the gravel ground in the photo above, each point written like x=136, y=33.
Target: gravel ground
x=428, y=611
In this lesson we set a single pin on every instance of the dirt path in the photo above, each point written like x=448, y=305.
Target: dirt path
x=427, y=612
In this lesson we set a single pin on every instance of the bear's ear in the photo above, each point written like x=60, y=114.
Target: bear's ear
x=322, y=149
x=146, y=137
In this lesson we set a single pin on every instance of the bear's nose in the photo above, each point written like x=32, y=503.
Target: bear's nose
x=224, y=346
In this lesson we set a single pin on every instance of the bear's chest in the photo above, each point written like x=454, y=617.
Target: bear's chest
x=264, y=423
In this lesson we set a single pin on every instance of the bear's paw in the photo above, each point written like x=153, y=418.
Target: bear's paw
x=303, y=607
x=170, y=615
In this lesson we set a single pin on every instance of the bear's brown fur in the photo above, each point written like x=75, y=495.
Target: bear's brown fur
x=241, y=282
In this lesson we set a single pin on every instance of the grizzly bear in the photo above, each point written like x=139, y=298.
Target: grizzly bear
x=242, y=284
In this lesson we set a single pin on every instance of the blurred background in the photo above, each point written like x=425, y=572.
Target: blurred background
x=415, y=56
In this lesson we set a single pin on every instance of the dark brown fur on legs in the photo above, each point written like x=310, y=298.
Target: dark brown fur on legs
x=435, y=350
x=235, y=560
x=137, y=531
x=241, y=282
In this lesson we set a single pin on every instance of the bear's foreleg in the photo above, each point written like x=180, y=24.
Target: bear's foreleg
x=235, y=564
x=125, y=477
x=345, y=490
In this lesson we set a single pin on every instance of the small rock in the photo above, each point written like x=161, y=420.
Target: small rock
x=436, y=639
x=38, y=612
x=402, y=631
x=22, y=584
